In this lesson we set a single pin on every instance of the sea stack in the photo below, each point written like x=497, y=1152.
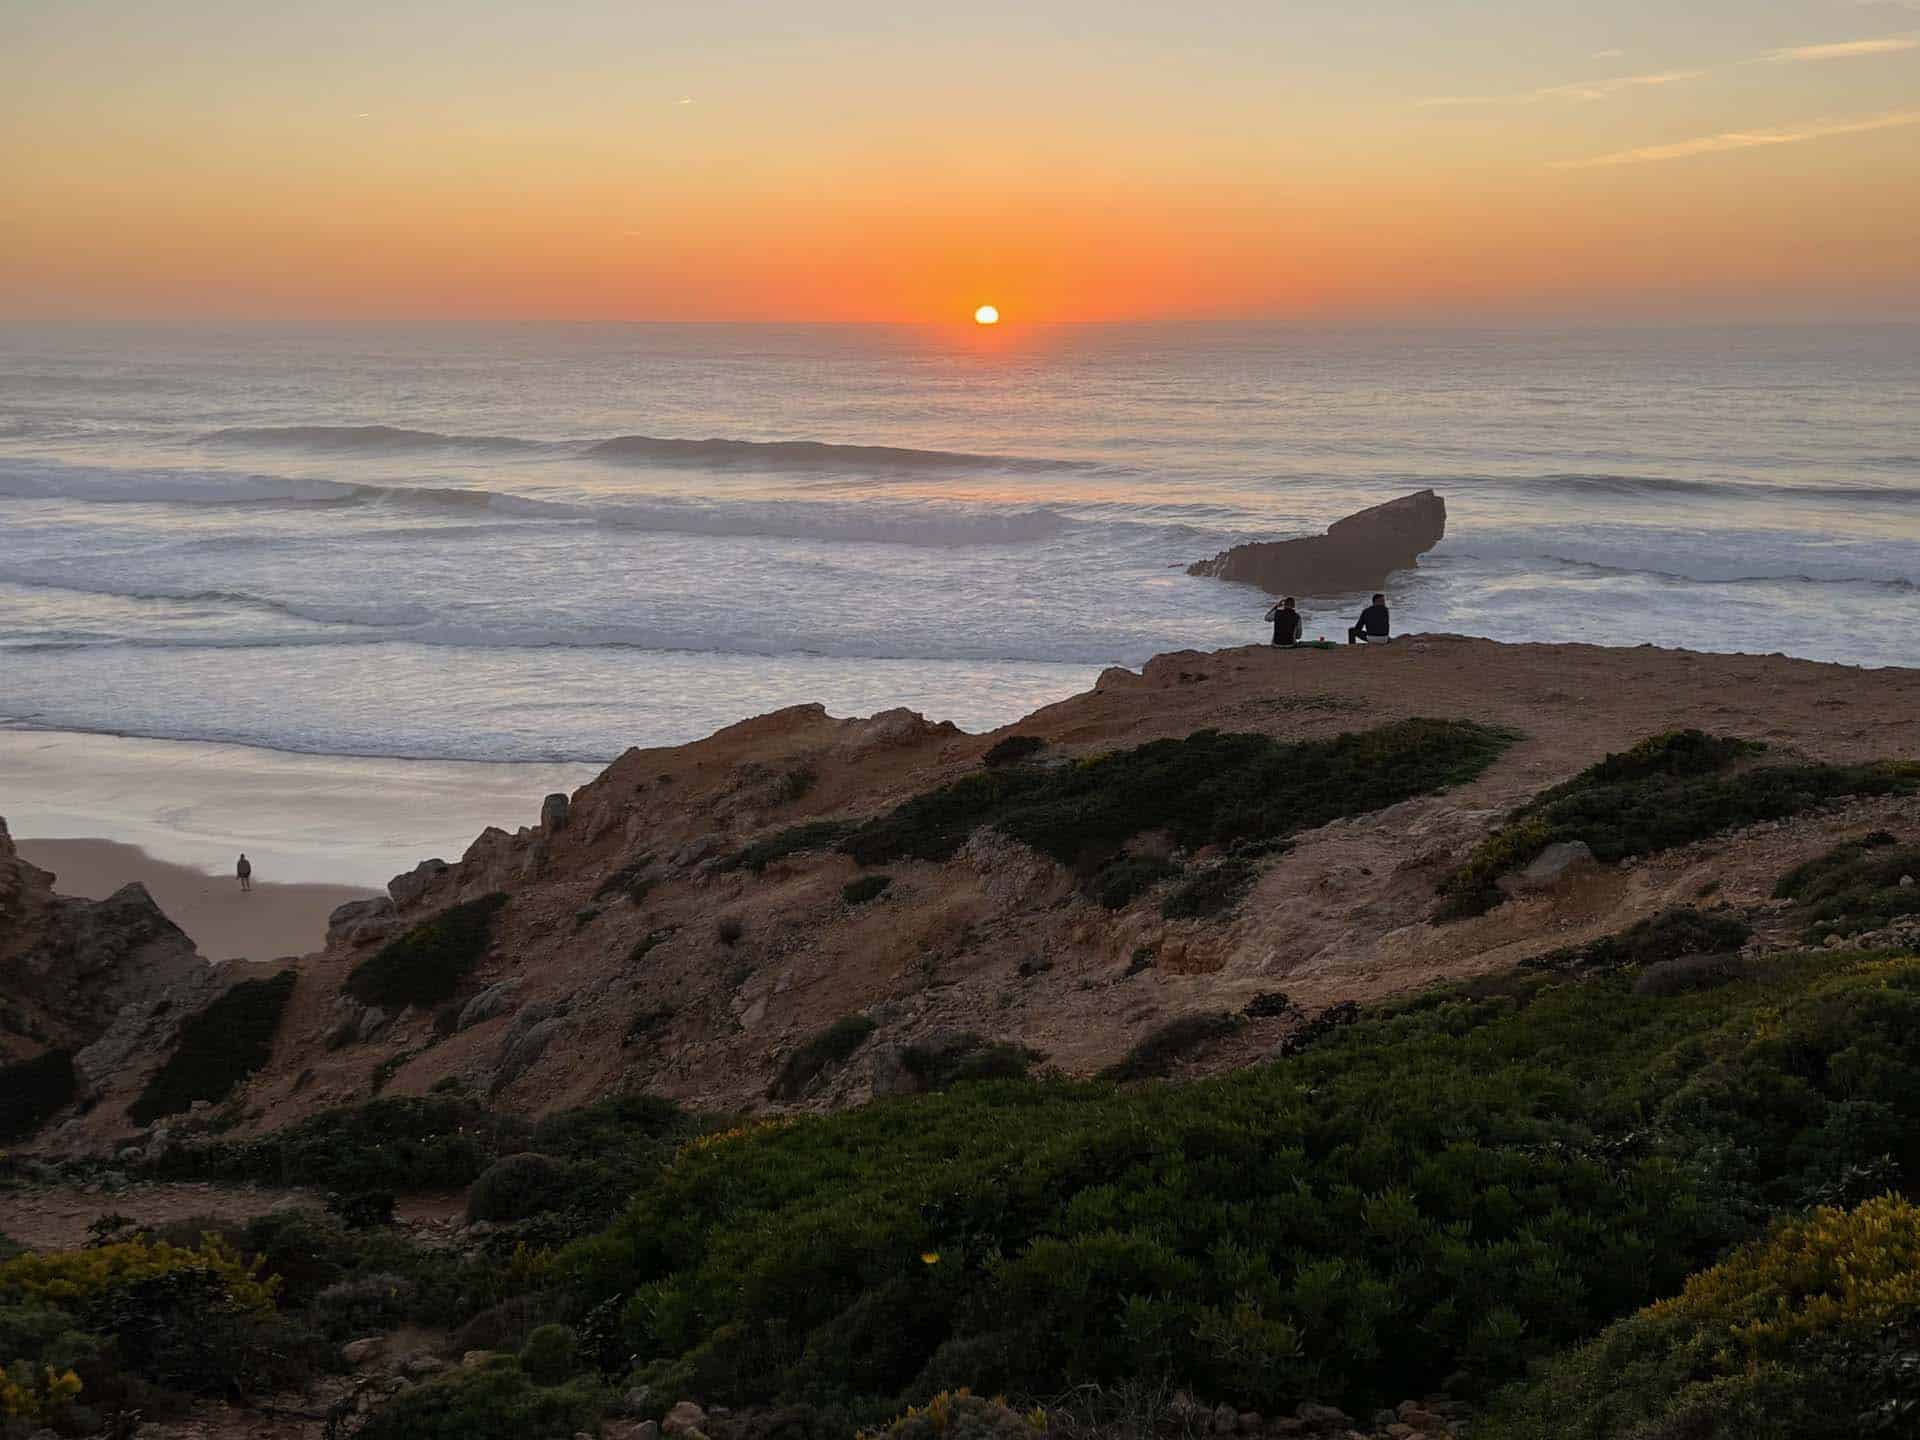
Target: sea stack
x=1356, y=554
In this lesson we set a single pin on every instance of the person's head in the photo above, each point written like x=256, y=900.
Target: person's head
x=1379, y=599
x=1287, y=604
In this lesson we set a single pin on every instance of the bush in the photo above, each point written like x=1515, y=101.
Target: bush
x=1209, y=788
x=1666, y=936
x=426, y=964
x=1467, y=1181
x=1855, y=887
x=867, y=887
x=942, y=1062
x=403, y=1145
x=1692, y=972
x=629, y=880
x=795, y=784
x=831, y=1046
x=1813, y=1332
x=490, y=1404
x=32, y=1091
x=377, y=1300
x=517, y=1187
x=1161, y=1049
x=1212, y=892
x=728, y=929
x=550, y=1354
x=1115, y=885
x=218, y=1048
x=962, y=1415
x=1666, y=791
x=1012, y=750
x=814, y=835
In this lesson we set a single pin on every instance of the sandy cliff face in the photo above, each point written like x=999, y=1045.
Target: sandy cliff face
x=629, y=953
x=1355, y=555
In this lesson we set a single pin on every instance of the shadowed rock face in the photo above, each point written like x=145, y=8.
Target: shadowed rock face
x=1356, y=554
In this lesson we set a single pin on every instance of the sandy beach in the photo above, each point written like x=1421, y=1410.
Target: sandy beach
x=226, y=923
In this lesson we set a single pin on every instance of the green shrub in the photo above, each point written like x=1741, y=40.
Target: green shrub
x=1813, y=1332
x=218, y=1048
x=1119, y=882
x=629, y=880
x=1855, y=887
x=940, y=1062
x=1208, y=788
x=795, y=784
x=1666, y=936
x=518, y=1186
x=1690, y=972
x=1668, y=790
x=372, y=1300
x=867, y=887
x=1155, y=1054
x=426, y=964
x=550, y=1354
x=1012, y=750
x=1468, y=1181
x=796, y=840
x=728, y=929
x=32, y=1091
x=1211, y=892
x=402, y=1144
x=831, y=1046
x=489, y=1404
x=647, y=1022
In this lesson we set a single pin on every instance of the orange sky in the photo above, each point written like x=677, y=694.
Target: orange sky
x=607, y=161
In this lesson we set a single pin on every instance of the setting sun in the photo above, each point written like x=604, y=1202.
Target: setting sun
x=986, y=315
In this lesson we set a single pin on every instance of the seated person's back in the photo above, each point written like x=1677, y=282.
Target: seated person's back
x=1374, y=624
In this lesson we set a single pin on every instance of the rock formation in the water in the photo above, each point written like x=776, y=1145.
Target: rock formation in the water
x=1355, y=555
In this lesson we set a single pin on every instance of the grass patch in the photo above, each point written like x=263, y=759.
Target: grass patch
x=1209, y=788
x=1666, y=936
x=795, y=840
x=831, y=1046
x=1210, y=893
x=1810, y=1334
x=218, y=1048
x=32, y=1091
x=1855, y=887
x=1463, y=1183
x=795, y=784
x=1012, y=750
x=1155, y=1054
x=867, y=887
x=1668, y=790
x=425, y=965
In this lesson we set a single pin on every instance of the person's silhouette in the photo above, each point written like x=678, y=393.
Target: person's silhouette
x=245, y=871
x=1286, y=623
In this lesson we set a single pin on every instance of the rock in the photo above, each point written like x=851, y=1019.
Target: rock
x=1906, y=882
x=1250, y=1422
x=1225, y=1420
x=421, y=1365
x=522, y=1048
x=1355, y=555
x=646, y=1430
x=1321, y=1414
x=358, y=1352
x=360, y=921
x=494, y=1000
x=696, y=850
x=478, y=1359
x=888, y=730
x=682, y=1418
x=407, y=888
x=1834, y=942
x=553, y=813
x=1549, y=867
x=372, y=1021
x=345, y=1030
x=890, y=1073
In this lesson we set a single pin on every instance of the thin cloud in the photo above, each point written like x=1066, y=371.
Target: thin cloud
x=1583, y=90
x=1616, y=54
x=1744, y=140
x=1845, y=49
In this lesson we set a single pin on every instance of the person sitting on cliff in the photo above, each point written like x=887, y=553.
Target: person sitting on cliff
x=1374, y=623
x=245, y=871
x=1286, y=623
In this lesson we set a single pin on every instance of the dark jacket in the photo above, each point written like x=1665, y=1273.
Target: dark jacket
x=1374, y=621
x=1286, y=626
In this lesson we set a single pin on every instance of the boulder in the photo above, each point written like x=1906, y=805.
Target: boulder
x=492, y=1001
x=890, y=1073
x=1354, y=556
x=553, y=813
x=372, y=1021
x=359, y=921
x=407, y=888
x=524, y=1044
x=682, y=1418
x=358, y=1352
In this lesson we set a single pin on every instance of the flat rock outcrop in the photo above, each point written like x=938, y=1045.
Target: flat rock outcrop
x=1355, y=555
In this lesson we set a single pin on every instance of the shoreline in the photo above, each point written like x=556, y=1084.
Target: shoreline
x=269, y=922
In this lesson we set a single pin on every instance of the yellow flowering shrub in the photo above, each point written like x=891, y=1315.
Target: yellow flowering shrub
x=962, y=1415
x=64, y=1277
x=702, y=1144
x=23, y=1397
x=1834, y=1268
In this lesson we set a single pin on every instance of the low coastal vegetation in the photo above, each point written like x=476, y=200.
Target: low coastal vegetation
x=1862, y=885
x=1667, y=936
x=218, y=1048
x=831, y=1046
x=1668, y=790
x=1209, y=788
x=425, y=965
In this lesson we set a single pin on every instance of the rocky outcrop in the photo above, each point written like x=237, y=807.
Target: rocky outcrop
x=1355, y=555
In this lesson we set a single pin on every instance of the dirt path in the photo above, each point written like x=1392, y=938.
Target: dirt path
x=56, y=1217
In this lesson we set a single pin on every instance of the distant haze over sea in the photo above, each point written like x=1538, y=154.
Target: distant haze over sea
x=547, y=544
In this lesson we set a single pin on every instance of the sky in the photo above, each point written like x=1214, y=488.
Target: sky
x=882, y=160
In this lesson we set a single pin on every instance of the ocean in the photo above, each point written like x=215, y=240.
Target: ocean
x=542, y=545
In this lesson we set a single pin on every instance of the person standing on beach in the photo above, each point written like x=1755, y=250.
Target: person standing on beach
x=1286, y=623
x=245, y=871
x=1374, y=623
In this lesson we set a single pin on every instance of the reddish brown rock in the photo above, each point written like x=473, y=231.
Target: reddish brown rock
x=1355, y=555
